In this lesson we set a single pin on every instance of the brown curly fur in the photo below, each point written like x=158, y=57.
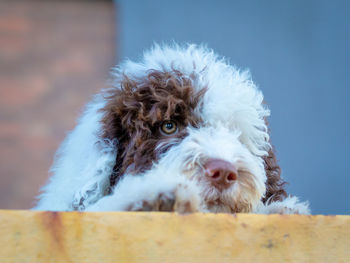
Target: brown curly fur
x=135, y=112
x=274, y=185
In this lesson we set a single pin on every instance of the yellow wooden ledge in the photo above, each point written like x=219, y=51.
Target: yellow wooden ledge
x=28, y=236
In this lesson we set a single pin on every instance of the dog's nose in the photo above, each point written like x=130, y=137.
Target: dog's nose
x=220, y=173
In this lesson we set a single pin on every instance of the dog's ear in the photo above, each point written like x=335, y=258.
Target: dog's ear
x=99, y=157
x=115, y=114
x=118, y=123
x=275, y=186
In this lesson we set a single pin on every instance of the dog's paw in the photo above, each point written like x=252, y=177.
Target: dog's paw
x=182, y=199
x=290, y=205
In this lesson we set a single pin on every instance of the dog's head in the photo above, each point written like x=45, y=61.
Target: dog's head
x=187, y=111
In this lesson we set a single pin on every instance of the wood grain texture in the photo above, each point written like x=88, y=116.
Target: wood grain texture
x=28, y=236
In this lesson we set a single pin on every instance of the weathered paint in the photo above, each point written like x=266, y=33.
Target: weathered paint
x=28, y=236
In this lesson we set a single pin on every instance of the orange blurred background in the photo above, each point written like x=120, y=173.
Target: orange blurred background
x=54, y=55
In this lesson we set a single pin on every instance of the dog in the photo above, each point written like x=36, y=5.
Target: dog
x=181, y=130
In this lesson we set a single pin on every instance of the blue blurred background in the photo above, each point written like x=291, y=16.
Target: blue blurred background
x=298, y=53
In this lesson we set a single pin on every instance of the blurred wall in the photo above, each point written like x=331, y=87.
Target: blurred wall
x=54, y=55
x=298, y=53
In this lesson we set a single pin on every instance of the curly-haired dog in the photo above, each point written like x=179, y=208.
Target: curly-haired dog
x=181, y=130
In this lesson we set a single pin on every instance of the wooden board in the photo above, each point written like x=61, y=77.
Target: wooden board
x=28, y=236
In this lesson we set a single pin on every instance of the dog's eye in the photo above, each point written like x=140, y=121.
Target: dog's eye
x=168, y=127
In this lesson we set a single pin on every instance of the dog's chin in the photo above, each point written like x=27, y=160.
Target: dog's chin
x=236, y=199
x=226, y=203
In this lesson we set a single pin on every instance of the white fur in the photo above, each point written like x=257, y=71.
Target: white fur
x=82, y=164
x=133, y=190
x=234, y=130
x=290, y=205
x=189, y=156
x=231, y=99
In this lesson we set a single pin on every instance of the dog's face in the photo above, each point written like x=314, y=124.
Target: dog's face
x=209, y=129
